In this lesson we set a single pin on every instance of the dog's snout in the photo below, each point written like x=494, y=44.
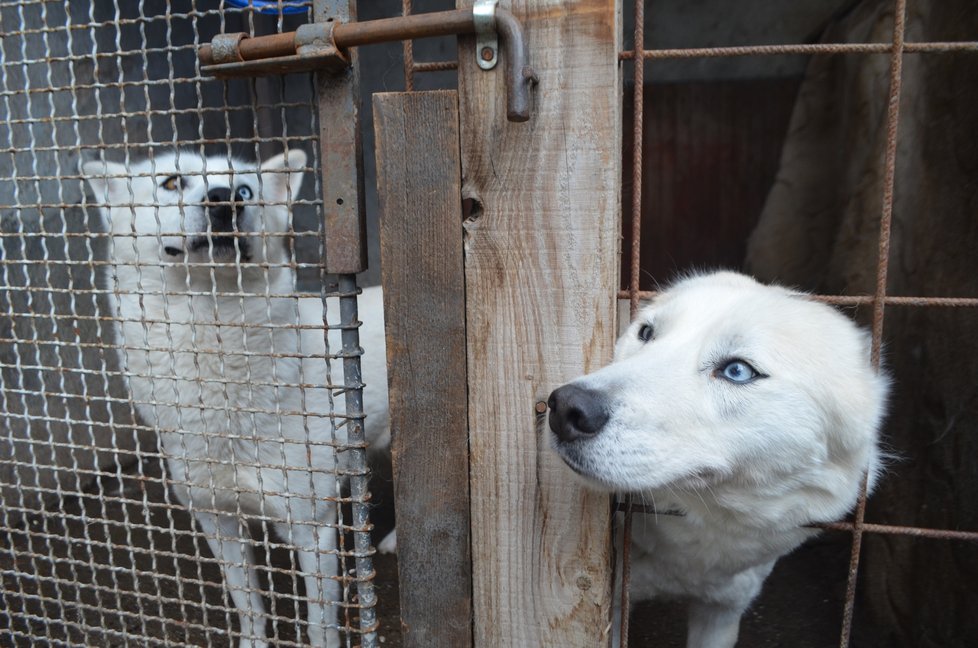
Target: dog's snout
x=221, y=209
x=576, y=412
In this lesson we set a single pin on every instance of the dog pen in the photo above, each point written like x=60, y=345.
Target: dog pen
x=97, y=550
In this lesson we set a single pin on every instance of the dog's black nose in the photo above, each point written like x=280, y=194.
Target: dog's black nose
x=577, y=413
x=221, y=210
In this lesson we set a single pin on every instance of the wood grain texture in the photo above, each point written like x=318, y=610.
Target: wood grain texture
x=341, y=156
x=541, y=273
x=419, y=186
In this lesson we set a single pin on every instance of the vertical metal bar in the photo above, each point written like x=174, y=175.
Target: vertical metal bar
x=637, y=130
x=406, y=10
x=634, y=274
x=886, y=216
x=359, y=475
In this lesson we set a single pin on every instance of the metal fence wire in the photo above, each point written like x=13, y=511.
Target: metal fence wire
x=182, y=446
x=897, y=49
x=99, y=545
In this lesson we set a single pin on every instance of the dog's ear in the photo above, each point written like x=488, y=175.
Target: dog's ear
x=281, y=176
x=108, y=180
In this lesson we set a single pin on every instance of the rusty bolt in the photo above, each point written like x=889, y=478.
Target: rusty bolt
x=487, y=53
x=540, y=407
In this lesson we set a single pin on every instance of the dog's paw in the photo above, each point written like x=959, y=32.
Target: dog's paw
x=389, y=544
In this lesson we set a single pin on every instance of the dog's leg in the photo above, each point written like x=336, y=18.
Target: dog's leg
x=712, y=625
x=229, y=544
x=316, y=547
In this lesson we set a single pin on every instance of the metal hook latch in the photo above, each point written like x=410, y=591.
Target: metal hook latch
x=486, y=41
x=324, y=45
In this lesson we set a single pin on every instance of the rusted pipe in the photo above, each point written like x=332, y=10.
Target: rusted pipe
x=386, y=30
x=250, y=49
x=520, y=77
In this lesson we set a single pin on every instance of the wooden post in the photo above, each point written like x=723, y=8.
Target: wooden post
x=419, y=185
x=541, y=272
x=341, y=157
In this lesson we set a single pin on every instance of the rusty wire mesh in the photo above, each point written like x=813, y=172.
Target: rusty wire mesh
x=96, y=547
x=896, y=48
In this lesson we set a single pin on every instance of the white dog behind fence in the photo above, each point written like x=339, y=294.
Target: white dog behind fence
x=749, y=409
x=231, y=370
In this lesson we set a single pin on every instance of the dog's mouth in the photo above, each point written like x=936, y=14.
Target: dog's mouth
x=695, y=480
x=573, y=461
x=221, y=248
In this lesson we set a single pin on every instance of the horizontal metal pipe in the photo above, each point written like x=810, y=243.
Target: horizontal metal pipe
x=251, y=49
x=385, y=30
x=857, y=300
x=520, y=77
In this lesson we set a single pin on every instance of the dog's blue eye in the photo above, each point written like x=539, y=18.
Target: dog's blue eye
x=244, y=193
x=738, y=371
x=646, y=332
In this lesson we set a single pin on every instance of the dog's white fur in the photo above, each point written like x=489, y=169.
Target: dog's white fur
x=747, y=464
x=217, y=372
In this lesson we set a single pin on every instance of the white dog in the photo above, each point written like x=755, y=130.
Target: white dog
x=228, y=368
x=751, y=410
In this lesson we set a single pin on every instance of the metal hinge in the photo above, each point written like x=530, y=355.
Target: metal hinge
x=324, y=45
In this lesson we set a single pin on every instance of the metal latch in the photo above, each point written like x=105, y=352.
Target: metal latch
x=486, y=43
x=324, y=46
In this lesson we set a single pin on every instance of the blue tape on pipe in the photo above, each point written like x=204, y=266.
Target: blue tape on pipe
x=271, y=6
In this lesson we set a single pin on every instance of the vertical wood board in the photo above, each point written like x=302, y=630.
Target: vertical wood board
x=341, y=155
x=541, y=270
x=419, y=187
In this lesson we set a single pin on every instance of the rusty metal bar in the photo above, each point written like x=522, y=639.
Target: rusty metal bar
x=633, y=285
x=637, y=130
x=889, y=529
x=385, y=30
x=435, y=66
x=250, y=49
x=239, y=55
x=882, y=529
x=879, y=306
x=858, y=300
x=800, y=48
x=407, y=10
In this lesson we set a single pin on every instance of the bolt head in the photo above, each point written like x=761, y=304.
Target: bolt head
x=487, y=53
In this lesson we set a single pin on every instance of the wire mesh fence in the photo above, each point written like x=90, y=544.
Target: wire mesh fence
x=183, y=445
x=114, y=496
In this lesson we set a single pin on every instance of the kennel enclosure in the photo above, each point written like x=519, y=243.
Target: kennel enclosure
x=500, y=245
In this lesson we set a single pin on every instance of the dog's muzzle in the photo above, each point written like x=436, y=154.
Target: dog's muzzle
x=224, y=213
x=577, y=413
x=222, y=210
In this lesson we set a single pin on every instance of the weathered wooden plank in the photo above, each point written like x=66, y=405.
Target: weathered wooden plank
x=419, y=186
x=341, y=155
x=541, y=274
